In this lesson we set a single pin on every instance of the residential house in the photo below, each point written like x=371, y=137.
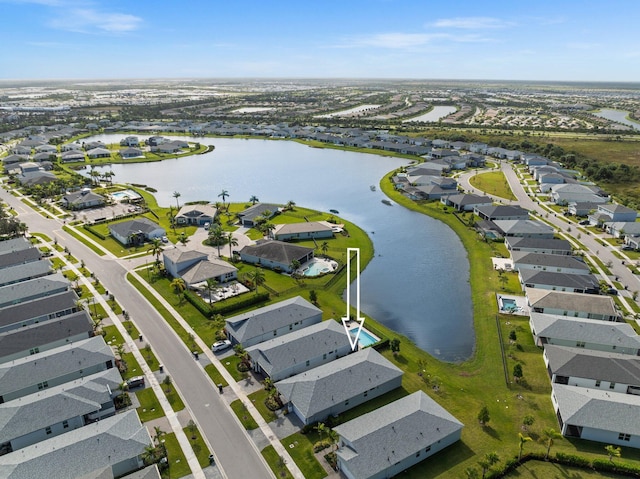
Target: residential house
x=72, y=156
x=480, y=148
x=572, y=283
x=546, y=181
x=12, y=160
x=606, y=213
x=248, y=217
x=75, y=453
x=24, y=272
x=584, y=333
x=300, y=350
x=136, y=231
x=196, y=275
x=128, y=153
x=581, y=208
x=177, y=259
x=28, y=167
x=588, y=306
x=156, y=140
x=270, y=321
x=595, y=415
x=169, y=147
x=549, y=262
x=501, y=212
x=465, y=201
x=130, y=141
x=524, y=229
x=36, y=178
x=620, y=229
x=572, y=192
x=70, y=147
x=92, y=145
x=385, y=442
x=338, y=386
x=33, y=289
x=83, y=199
x=613, y=372
x=301, y=231
x=98, y=153
x=538, y=245
x=20, y=315
x=276, y=254
x=197, y=215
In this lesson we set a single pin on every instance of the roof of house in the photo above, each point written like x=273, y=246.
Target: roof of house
x=19, y=272
x=548, y=260
x=589, y=303
x=43, y=286
x=206, y=269
x=54, y=405
x=82, y=197
x=14, y=244
x=276, y=251
x=588, y=364
x=37, y=307
x=523, y=227
x=257, y=210
x=627, y=227
x=539, y=243
x=80, y=451
x=320, y=388
x=298, y=346
x=36, y=177
x=24, y=372
x=551, y=278
x=469, y=199
x=501, y=210
x=98, y=151
x=269, y=318
x=592, y=331
x=137, y=225
x=598, y=409
x=178, y=255
x=45, y=332
x=298, y=228
x=392, y=433
x=613, y=208
x=194, y=211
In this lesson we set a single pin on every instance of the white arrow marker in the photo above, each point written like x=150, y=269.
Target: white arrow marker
x=359, y=319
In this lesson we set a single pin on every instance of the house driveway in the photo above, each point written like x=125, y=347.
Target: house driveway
x=286, y=424
x=196, y=242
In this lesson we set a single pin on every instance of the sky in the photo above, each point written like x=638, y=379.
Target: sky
x=542, y=40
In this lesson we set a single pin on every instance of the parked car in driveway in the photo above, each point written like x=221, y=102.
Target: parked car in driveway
x=220, y=345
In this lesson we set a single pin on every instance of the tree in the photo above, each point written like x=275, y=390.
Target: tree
x=321, y=428
x=191, y=426
x=521, y=440
x=549, y=435
x=612, y=452
x=157, y=435
x=489, y=460
x=155, y=249
x=313, y=296
x=172, y=218
x=289, y=206
x=295, y=264
x=178, y=287
x=268, y=227
x=527, y=421
x=254, y=199
x=517, y=372
x=183, y=238
x=394, y=344
x=167, y=383
x=471, y=473
x=217, y=237
x=211, y=287
x=257, y=277
x=503, y=279
x=177, y=195
x=483, y=415
x=224, y=194
x=512, y=335
x=324, y=247
x=232, y=241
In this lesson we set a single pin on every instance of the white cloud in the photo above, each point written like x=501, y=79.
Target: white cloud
x=86, y=20
x=472, y=23
x=395, y=40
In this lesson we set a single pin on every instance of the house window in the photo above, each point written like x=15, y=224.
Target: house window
x=65, y=424
x=47, y=430
x=324, y=356
x=34, y=350
x=427, y=449
x=418, y=454
x=290, y=327
x=346, y=403
x=580, y=344
x=43, y=385
x=624, y=437
x=598, y=383
x=307, y=362
x=366, y=393
x=275, y=333
x=612, y=385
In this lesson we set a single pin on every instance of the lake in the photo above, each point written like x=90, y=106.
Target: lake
x=618, y=116
x=437, y=113
x=417, y=284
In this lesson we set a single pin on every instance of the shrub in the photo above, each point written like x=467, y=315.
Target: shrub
x=571, y=460
x=321, y=445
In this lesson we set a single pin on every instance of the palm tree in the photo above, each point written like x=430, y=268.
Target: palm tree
x=178, y=287
x=549, y=435
x=295, y=264
x=268, y=228
x=489, y=460
x=324, y=247
x=211, y=287
x=157, y=434
x=322, y=429
x=183, y=238
x=217, y=237
x=177, y=195
x=232, y=242
x=290, y=204
x=522, y=439
x=224, y=194
x=612, y=451
x=156, y=248
x=172, y=218
x=257, y=277
x=254, y=199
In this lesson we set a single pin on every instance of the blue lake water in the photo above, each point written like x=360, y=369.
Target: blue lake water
x=418, y=282
x=619, y=116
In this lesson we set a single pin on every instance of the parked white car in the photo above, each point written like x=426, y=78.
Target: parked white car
x=220, y=345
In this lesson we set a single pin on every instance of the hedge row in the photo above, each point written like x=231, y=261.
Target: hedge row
x=225, y=307
x=94, y=232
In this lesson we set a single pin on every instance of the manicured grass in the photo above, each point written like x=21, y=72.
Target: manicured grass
x=258, y=398
x=274, y=461
x=549, y=470
x=231, y=365
x=215, y=375
x=173, y=397
x=302, y=454
x=178, y=466
x=243, y=415
x=134, y=368
x=149, y=405
x=82, y=239
x=198, y=445
x=112, y=336
x=493, y=183
x=131, y=329
x=150, y=357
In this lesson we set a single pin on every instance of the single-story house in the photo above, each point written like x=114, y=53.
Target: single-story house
x=14, y=160
x=214, y=268
x=72, y=156
x=572, y=283
x=571, y=192
x=28, y=167
x=24, y=272
x=46, y=149
x=276, y=319
x=131, y=153
x=338, y=386
x=596, y=415
x=306, y=230
x=93, y=145
x=524, y=228
x=538, y=245
x=36, y=178
x=299, y=351
x=549, y=262
x=21, y=315
x=275, y=254
x=584, y=333
x=168, y=147
x=578, y=305
x=548, y=179
x=385, y=442
x=196, y=215
x=136, y=231
x=70, y=147
x=99, y=153
x=85, y=198
x=248, y=217
x=501, y=212
x=613, y=372
x=10, y=258
x=465, y=201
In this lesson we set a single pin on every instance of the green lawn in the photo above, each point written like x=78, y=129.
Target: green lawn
x=198, y=445
x=549, y=470
x=149, y=405
x=276, y=463
x=300, y=447
x=215, y=375
x=173, y=397
x=245, y=418
x=231, y=365
x=134, y=368
x=112, y=336
x=493, y=183
x=258, y=398
x=178, y=466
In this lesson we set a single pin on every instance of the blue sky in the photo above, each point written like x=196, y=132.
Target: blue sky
x=511, y=40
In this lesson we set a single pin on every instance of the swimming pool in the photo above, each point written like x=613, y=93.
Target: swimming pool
x=318, y=266
x=125, y=194
x=365, y=339
x=508, y=304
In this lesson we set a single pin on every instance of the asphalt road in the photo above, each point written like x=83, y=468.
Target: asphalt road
x=236, y=454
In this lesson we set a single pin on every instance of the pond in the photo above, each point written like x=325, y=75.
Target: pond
x=433, y=116
x=417, y=283
x=618, y=116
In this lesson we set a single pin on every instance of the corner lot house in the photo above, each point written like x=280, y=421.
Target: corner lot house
x=299, y=351
x=501, y=212
x=596, y=415
x=338, y=386
x=275, y=254
x=195, y=267
x=82, y=199
x=274, y=320
x=385, y=442
x=136, y=231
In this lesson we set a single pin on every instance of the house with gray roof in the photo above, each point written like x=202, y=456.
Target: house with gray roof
x=273, y=320
x=49, y=413
x=465, y=201
x=620, y=229
x=39, y=177
x=39, y=337
x=196, y=215
x=613, y=372
x=136, y=231
x=116, y=443
x=548, y=262
x=80, y=200
x=612, y=212
x=46, y=369
x=538, y=245
x=587, y=306
x=524, y=229
x=391, y=439
x=128, y=153
x=248, y=217
x=596, y=415
x=584, y=333
x=300, y=350
x=581, y=208
x=302, y=231
x=24, y=272
x=33, y=289
x=72, y=156
x=338, y=386
x=99, y=153
x=14, y=245
x=195, y=267
x=20, y=315
x=501, y=212
x=275, y=254
x=571, y=283
x=572, y=192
